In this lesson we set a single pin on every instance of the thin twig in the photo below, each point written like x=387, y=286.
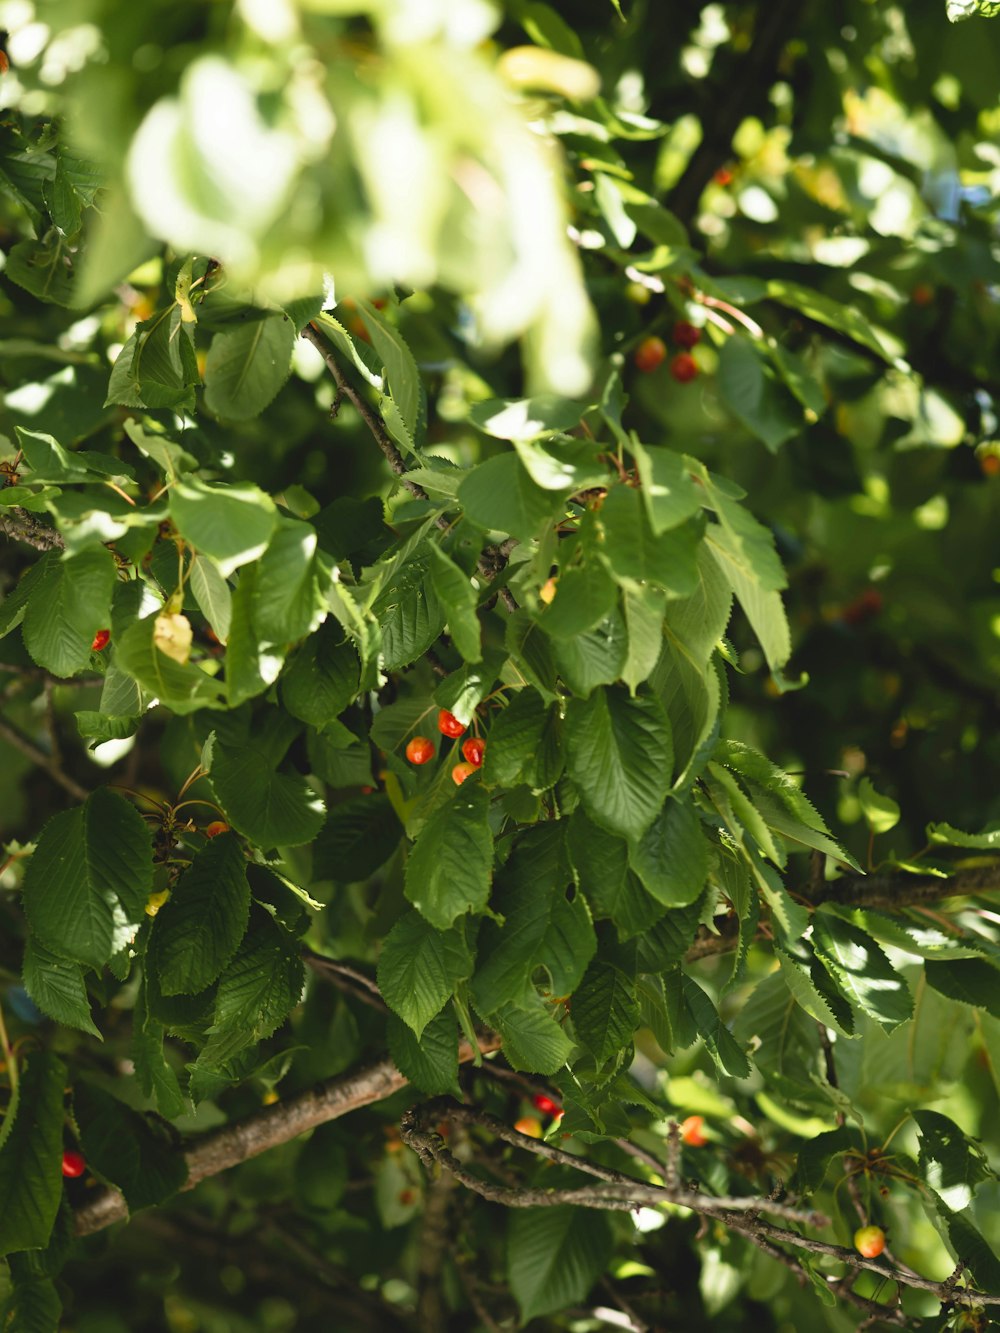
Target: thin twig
x=14, y=736
x=22, y=526
x=346, y=979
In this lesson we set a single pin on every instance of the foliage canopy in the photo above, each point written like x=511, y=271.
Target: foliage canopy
x=331, y=420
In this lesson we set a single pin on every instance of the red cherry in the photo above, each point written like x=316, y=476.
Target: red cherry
x=73, y=1164
x=216, y=827
x=650, y=353
x=685, y=334
x=990, y=465
x=684, y=368
x=101, y=640
x=869, y=1241
x=922, y=294
x=723, y=177
x=865, y=606
x=474, y=749
x=546, y=1105
x=448, y=724
x=462, y=771
x=691, y=1131
x=420, y=750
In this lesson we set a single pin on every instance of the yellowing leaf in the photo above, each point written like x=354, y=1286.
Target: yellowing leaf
x=172, y=636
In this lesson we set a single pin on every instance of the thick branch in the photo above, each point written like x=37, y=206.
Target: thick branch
x=21, y=526
x=269, y=1127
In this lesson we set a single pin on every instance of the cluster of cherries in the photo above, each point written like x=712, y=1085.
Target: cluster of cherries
x=420, y=749
x=652, y=352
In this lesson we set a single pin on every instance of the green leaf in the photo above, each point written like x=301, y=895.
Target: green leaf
x=198, y=929
x=585, y=595
x=500, y=496
x=763, y=607
x=232, y=523
x=533, y=1041
x=86, y=886
x=723, y=1047
x=247, y=366
x=409, y=614
x=31, y=1155
x=157, y=367
x=861, y=970
x=636, y=556
x=541, y=928
x=643, y=609
x=359, y=836
x=600, y=860
x=155, y=1077
x=619, y=753
x=958, y=10
x=458, y=600
x=531, y=651
x=953, y=837
x=32, y=1307
x=286, y=600
x=671, y=857
x=419, y=968
x=800, y=981
x=15, y=605
x=824, y=310
x=754, y=394
x=57, y=987
x=973, y=981
x=404, y=383
x=256, y=992
x=274, y=809
x=605, y=1010
x=43, y=268
x=322, y=678
x=563, y=464
x=554, y=1256
x=66, y=608
x=515, y=739
x=969, y=1245
x=525, y=418
x=184, y=688
x=951, y=1163
x=430, y=1062
x=127, y=1149
x=595, y=658
x=250, y=666
x=448, y=869
x=668, y=490
x=881, y=812
x=212, y=593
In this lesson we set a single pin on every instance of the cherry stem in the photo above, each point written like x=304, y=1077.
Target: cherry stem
x=10, y=1059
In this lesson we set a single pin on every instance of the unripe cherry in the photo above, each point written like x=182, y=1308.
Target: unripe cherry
x=420, y=750
x=473, y=749
x=449, y=725
x=462, y=771
x=216, y=827
x=530, y=1125
x=869, y=1241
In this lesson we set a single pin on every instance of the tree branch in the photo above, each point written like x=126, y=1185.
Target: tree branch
x=619, y=1192
x=14, y=736
x=21, y=526
x=269, y=1127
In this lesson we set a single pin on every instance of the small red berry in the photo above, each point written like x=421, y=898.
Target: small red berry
x=448, y=724
x=869, y=1241
x=723, y=177
x=73, y=1164
x=922, y=294
x=865, y=607
x=684, y=368
x=406, y=1197
x=474, y=749
x=691, y=1131
x=462, y=771
x=367, y=791
x=546, y=1105
x=650, y=353
x=990, y=465
x=216, y=827
x=420, y=750
x=686, y=335
x=101, y=640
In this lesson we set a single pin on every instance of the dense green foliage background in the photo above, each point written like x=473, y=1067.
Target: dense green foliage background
x=675, y=608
